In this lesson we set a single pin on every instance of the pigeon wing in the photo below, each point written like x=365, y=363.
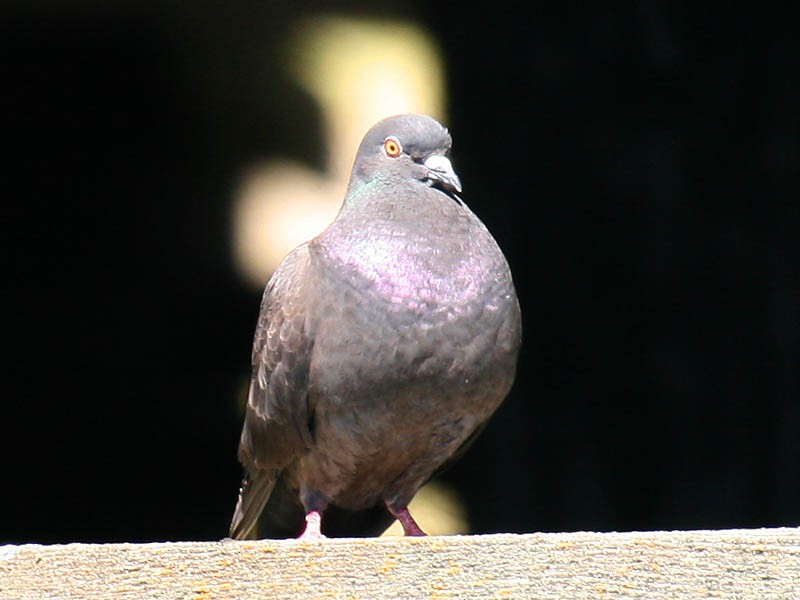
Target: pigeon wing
x=276, y=427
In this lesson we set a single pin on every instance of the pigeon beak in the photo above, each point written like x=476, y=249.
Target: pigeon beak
x=440, y=169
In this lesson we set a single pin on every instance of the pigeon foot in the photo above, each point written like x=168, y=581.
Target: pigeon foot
x=313, y=531
x=410, y=526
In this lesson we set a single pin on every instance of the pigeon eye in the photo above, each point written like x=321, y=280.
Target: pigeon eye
x=392, y=147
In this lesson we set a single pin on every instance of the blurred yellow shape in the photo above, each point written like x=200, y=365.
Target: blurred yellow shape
x=437, y=510
x=278, y=206
x=359, y=71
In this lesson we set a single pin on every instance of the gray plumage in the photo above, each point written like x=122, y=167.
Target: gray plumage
x=382, y=347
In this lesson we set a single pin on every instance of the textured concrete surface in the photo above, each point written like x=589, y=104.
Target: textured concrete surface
x=759, y=564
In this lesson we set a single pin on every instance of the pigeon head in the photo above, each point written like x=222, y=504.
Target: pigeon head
x=406, y=150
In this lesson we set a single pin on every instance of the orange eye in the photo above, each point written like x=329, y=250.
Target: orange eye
x=392, y=147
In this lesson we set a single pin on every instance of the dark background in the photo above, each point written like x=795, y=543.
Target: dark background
x=638, y=164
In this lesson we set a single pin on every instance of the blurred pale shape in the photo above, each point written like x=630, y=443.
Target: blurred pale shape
x=364, y=70
x=279, y=206
x=359, y=71
x=437, y=510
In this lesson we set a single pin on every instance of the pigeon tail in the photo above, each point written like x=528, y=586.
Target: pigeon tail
x=253, y=495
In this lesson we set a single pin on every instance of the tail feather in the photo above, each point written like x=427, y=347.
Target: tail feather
x=253, y=496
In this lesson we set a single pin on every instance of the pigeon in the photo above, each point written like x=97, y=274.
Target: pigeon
x=382, y=348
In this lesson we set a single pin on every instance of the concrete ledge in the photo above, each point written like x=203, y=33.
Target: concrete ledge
x=759, y=564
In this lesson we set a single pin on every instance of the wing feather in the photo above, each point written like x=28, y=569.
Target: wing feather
x=276, y=428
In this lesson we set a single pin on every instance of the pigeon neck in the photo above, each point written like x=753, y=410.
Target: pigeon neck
x=408, y=202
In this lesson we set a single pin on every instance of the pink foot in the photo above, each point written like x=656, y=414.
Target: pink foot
x=410, y=526
x=313, y=531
